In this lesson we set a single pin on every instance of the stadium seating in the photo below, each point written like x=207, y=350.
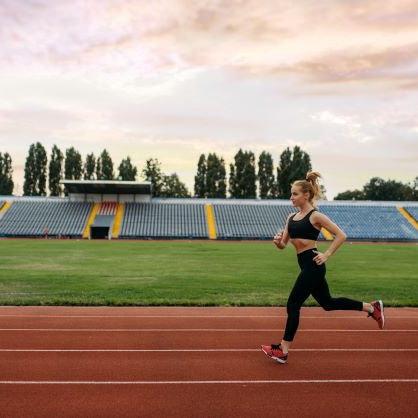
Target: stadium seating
x=36, y=218
x=108, y=208
x=164, y=220
x=377, y=223
x=249, y=221
x=187, y=218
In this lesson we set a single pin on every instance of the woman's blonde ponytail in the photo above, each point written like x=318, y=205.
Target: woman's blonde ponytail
x=312, y=177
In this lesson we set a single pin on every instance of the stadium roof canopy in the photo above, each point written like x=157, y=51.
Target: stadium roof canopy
x=107, y=187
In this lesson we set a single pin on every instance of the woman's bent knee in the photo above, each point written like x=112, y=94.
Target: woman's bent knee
x=329, y=305
x=293, y=308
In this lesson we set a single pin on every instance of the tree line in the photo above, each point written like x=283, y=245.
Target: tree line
x=249, y=177
x=71, y=167
x=210, y=179
x=379, y=189
x=245, y=176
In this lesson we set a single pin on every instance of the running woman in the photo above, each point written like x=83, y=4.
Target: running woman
x=302, y=229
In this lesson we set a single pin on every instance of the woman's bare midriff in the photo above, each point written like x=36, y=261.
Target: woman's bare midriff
x=302, y=245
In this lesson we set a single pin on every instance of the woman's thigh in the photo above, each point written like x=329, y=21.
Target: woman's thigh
x=301, y=289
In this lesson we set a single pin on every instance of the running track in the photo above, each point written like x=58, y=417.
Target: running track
x=204, y=362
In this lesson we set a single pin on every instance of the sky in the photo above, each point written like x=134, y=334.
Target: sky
x=171, y=79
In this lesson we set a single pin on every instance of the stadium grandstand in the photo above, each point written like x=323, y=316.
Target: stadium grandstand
x=125, y=210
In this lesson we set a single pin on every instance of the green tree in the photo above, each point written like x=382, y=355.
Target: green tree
x=265, y=175
x=104, y=168
x=6, y=171
x=350, y=195
x=249, y=176
x=301, y=164
x=232, y=180
x=323, y=192
x=30, y=180
x=380, y=189
x=293, y=166
x=410, y=191
x=215, y=177
x=152, y=172
x=55, y=171
x=284, y=171
x=41, y=161
x=221, y=181
x=173, y=187
x=200, y=177
x=35, y=171
x=73, y=167
x=242, y=177
x=89, y=167
x=99, y=174
x=127, y=171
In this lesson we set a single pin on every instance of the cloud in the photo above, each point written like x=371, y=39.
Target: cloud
x=324, y=42
x=397, y=67
x=329, y=117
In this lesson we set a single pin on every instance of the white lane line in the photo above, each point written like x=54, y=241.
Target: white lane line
x=167, y=316
x=199, y=382
x=198, y=316
x=164, y=308
x=196, y=330
x=104, y=307
x=193, y=350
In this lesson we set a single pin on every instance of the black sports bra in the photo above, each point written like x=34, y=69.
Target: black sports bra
x=302, y=228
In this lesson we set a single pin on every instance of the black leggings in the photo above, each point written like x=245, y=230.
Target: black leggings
x=311, y=281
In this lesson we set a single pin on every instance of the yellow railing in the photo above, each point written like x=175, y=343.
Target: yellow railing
x=5, y=207
x=118, y=220
x=93, y=212
x=409, y=217
x=211, y=221
x=327, y=234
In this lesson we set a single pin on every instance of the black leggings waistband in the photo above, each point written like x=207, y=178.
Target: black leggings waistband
x=310, y=251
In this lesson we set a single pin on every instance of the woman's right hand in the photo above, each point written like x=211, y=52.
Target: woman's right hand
x=277, y=240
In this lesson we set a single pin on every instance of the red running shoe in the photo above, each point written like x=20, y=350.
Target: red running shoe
x=275, y=352
x=378, y=314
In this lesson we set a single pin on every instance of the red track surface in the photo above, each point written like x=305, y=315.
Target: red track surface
x=204, y=362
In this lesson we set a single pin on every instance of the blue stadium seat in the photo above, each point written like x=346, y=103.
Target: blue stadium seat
x=164, y=220
x=384, y=223
x=33, y=218
x=249, y=221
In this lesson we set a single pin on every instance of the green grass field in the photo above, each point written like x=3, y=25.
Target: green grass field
x=40, y=272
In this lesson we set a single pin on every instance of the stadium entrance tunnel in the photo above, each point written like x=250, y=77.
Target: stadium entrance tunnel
x=99, y=232
x=101, y=227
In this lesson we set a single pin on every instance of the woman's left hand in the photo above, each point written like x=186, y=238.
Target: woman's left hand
x=320, y=258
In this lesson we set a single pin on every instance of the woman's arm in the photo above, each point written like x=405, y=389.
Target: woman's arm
x=281, y=239
x=321, y=220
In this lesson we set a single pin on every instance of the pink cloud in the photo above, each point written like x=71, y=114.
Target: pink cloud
x=324, y=41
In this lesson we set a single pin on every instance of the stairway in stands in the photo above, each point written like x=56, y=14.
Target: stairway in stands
x=106, y=214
